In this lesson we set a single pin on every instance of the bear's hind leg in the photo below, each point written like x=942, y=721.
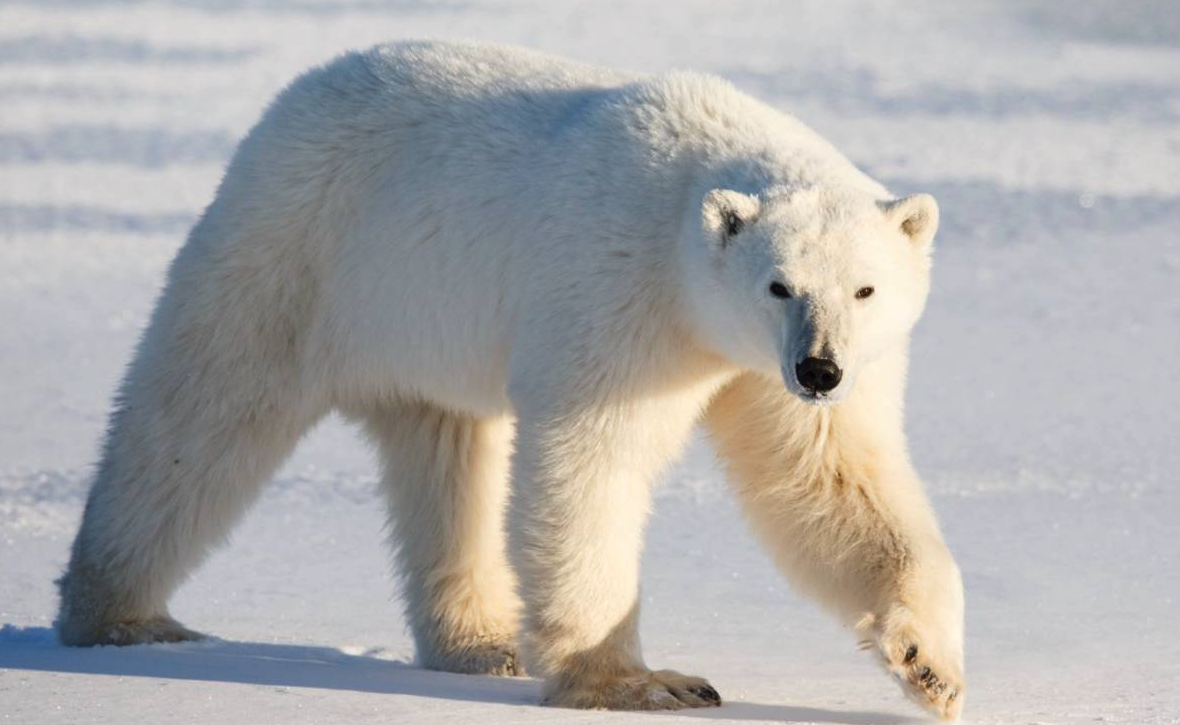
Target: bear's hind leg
x=172, y=484
x=180, y=468
x=445, y=476
x=213, y=402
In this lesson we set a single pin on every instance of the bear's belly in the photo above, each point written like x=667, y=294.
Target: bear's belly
x=419, y=334
x=445, y=378
x=374, y=373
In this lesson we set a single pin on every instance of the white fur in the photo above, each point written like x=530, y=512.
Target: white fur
x=463, y=245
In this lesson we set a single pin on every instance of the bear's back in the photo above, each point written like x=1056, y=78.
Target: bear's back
x=473, y=68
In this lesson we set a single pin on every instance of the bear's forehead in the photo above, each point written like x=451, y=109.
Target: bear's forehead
x=823, y=237
x=817, y=226
x=819, y=210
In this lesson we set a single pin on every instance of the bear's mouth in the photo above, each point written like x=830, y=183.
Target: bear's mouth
x=816, y=399
x=819, y=398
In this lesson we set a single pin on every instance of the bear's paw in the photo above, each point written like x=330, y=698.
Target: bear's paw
x=928, y=672
x=661, y=690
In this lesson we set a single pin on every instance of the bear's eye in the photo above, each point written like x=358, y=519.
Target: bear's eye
x=733, y=223
x=778, y=289
x=864, y=293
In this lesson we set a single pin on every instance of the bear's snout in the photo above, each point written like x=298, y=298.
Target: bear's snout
x=817, y=374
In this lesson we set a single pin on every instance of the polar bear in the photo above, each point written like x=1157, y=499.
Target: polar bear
x=526, y=275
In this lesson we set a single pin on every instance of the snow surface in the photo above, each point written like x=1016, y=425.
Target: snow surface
x=1044, y=398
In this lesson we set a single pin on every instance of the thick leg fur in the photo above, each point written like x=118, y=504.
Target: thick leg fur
x=210, y=407
x=580, y=501
x=831, y=493
x=446, y=478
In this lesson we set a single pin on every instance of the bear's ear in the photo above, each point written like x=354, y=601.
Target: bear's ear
x=725, y=213
x=915, y=216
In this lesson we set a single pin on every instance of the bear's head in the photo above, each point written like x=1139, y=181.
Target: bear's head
x=811, y=283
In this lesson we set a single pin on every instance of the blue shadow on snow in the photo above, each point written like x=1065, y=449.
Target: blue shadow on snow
x=284, y=665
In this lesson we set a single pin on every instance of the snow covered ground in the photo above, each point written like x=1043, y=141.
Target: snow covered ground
x=1044, y=401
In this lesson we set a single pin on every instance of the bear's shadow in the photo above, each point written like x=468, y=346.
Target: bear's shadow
x=286, y=665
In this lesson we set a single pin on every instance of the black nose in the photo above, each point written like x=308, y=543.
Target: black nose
x=818, y=374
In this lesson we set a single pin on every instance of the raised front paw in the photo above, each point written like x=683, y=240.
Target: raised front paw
x=661, y=690
x=929, y=671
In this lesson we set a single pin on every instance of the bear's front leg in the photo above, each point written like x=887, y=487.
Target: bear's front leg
x=581, y=497
x=831, y=494
x=916, y=627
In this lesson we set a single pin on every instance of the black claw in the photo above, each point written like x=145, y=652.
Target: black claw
x=924, y=673
x=911, y=653
x=706, y=693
